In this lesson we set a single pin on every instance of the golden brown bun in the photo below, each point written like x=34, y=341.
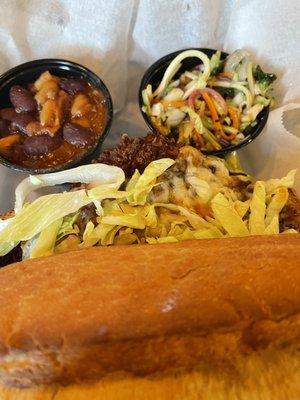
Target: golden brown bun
x=145, y=309
x=266, y=375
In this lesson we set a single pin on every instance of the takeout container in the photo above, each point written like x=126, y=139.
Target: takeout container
x=29, y=72
x=154, y=75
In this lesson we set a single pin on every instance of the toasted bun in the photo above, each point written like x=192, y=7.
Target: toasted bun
x=147, y=309
x=265, y=375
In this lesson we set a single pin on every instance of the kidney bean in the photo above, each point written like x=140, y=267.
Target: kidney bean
x=40, y=145
x=8, y=114
x=72, y=86
x=77, y=135
x=22, y=99
x=3, y=127
x=18, y=152
x=18, y=120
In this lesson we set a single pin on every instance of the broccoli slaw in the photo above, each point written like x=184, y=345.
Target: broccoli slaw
x=212, y=106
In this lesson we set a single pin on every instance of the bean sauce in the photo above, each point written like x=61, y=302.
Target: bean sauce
x=51, y=121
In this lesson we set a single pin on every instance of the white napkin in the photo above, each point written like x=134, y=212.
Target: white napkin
x=276, y=151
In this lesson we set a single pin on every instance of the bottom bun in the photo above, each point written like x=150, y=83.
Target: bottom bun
x=147, y=309
x=267, y=375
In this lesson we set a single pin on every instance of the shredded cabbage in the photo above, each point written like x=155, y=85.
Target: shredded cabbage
x=273, y=227
x=237, y=86
x=68, y=244
x=45, y=243
x=176, y=64
x=135, y=220
x=133, y=181
x=68, y=226
x=241, y=207
x=144, y=184
x=278, y=201
x=132, y=216
x=287, y=181
x=93, y=174
x=38, y=215
x=8, y=246
x=227, y=215
x=195, y=118
x=258, y=209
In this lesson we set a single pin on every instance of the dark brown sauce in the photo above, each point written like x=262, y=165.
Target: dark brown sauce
x=94, y=120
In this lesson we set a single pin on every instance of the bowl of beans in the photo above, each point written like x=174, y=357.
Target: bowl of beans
x=54, y=115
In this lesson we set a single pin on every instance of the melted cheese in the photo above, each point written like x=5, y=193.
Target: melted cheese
x=194, y=180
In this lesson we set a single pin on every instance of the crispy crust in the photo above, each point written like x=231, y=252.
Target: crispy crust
x=147, y=309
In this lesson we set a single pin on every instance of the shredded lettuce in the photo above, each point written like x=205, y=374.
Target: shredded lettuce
x=278, y=201
x=144, y=184
x=207, y=234
x=130, y=216
x=287, y=181
x=103, y=192
x=45, y=243
x=225, y=212
x=241, y=207
x=135, y=220
x=68, y=226
x=258, y=209
x=125, y=239
x=93, y=174
x=38, y=215
x=68, y=244
x=8, y=246
x=133, y=181
x=151, y=217
x=90, y=235
x=273, y=227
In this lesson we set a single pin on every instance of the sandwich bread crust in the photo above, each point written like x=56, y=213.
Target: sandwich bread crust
x=147, y=309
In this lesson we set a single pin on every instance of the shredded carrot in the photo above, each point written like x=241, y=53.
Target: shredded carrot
x=213, y=112
x=173, y=103
x=233, y=113
x=227, y=136
x=198, y=138
x=8, y=141
x=225, y=74
x=201, y=110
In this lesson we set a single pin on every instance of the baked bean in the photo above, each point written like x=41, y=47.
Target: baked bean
x=22, y=99
x=51, y=121
x=3, y=127
x=18, y=120
x=77, y=135
x=72, y=86
x=42, y=144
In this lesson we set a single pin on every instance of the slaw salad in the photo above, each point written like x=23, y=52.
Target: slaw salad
x=212, y=106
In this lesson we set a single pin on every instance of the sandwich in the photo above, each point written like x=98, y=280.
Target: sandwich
x=173, y=261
